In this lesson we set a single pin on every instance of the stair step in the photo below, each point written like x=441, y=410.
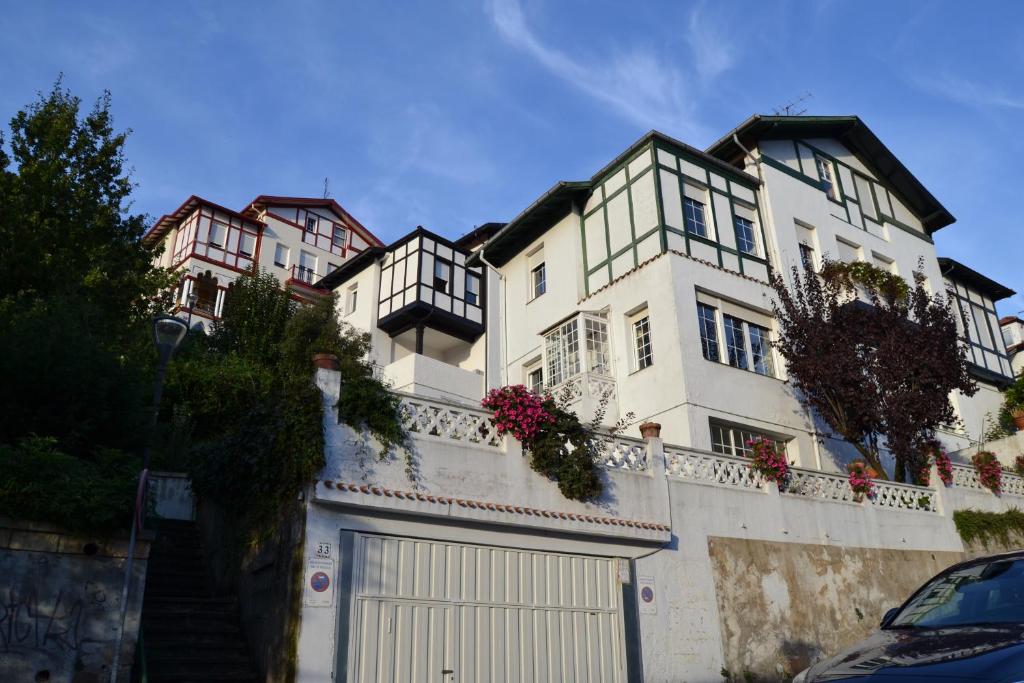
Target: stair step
x=203, y=672
x=171, y=628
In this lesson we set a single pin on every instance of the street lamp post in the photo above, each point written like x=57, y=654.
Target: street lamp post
x=168, y=333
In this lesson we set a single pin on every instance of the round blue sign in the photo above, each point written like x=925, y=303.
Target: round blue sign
x=319, y=582
x=647, y=594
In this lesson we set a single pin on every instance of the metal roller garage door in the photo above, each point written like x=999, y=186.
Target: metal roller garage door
x=434, y=611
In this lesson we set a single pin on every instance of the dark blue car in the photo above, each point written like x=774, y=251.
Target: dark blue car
x=966, y=624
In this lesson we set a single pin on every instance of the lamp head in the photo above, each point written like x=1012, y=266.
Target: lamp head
x=168, y=332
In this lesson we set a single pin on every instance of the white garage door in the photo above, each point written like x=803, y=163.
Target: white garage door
x=433, y=611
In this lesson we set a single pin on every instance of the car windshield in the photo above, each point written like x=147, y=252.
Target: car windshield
x=981, y=594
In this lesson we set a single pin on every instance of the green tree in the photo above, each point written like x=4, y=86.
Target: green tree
x=76, y=290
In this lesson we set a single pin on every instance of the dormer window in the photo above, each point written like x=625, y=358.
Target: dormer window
x=311, y=223
x=442, y=276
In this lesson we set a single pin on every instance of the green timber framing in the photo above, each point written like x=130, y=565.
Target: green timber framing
x=854, y=135
x=873, y=184
x=567, y=196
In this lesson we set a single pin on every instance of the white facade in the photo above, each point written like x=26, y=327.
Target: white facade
x=1013, y=336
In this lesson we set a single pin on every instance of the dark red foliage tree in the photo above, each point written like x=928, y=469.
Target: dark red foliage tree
x=874, y=358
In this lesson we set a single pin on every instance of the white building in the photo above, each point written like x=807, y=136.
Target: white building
x=646, y=285
x=1012, y=327
x=298, y=239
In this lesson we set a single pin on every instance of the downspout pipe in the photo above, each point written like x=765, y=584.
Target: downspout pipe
x=504, y=320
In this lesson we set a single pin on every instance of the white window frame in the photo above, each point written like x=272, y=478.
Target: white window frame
x=731, y=439
x=531, y=369
x=536, y=265
x=304, y=259
x=351, y=299
x=698, y=210
x=754, y=248
x=447, y=265
x=315, y=223
x=335, y=229
x=278, y=250
x=217, y=244
x=241, y=244
x=641, y=339
x=574, y=347
x=474, y=290
x=827, y=176
x=747, y=361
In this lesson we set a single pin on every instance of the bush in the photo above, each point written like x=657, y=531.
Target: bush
x=94, y=494
x=990, y=472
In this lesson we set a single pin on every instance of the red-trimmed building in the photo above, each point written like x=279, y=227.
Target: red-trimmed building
x=298, y=239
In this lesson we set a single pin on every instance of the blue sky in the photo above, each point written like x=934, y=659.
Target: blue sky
x=454, y=114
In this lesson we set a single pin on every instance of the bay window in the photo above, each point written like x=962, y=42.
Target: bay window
x=563, y=355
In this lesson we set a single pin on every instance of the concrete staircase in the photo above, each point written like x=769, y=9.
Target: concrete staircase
x=189, y=634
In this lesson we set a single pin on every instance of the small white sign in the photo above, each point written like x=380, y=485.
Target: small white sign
x=323, y=549
x=647, y=594
x=319, y=582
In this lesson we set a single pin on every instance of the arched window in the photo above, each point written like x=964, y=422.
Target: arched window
x=206, y=293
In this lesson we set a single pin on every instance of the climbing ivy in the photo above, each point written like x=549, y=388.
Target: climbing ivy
x=988, y=527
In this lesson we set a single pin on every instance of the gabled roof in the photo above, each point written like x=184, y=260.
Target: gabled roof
x=858, y=138
x=316, y=202
x=551, y=206
x=955, y=270
x=169, y=220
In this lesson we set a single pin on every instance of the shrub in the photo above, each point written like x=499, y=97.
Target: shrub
x=990, y=472
x=560, y=446
x=935, y=453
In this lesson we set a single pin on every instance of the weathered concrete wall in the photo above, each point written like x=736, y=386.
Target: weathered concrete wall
x=60, y=604
x=784, y=605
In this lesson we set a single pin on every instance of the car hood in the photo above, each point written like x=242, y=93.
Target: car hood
x=989, y=653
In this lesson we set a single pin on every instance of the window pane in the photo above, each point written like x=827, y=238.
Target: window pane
x=708, y=331
x=642, y=339
x=553, y=356
x=825, y=175
x=472, y=289
x=745, y=235
x=535, y=381
x=571, y=348
x=281, y=256
x=596, y=334
x=310, y=223
x=338, y=238
x=442, y=275
x=760, y=350
x=734, y=345
x=734, y=440
x=539, y=280
x=720, y=440
x=807, y=256
x=693, y=213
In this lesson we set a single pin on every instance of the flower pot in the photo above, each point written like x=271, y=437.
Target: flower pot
x=650, y=430
x=1018, y=419
x=325, y=361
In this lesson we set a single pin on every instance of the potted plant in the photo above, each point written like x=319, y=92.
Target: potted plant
x=1018, y=465
x=768, y=462
x=935, y=453
x=861, y=480
x=1013, y=400
x=990, y=472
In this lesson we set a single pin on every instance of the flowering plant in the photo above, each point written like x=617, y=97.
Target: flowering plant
x=990, y=472
x=1018, y=465
x=861, y=480
x=768, y=462
x=518, y=411
x=934, y=452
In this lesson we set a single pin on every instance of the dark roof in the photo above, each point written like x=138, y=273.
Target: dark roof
x=479, y=235
x=961, y=273
x=853, y=133
x=169, y=220
x=359, y=263
x=322, y=202
x=1009, y=319
x=551, y=206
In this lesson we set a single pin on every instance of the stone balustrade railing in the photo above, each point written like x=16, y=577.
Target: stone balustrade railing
x=710, y=468
x=965, y=476
x=448, y=421
x=623, y=453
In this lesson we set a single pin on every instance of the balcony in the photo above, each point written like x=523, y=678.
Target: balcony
x=585, y=393
x=428, y=377
x=303, y=281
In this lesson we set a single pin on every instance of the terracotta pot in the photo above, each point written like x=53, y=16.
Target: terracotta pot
x=1018, y=419
x=326, y=361
x=650, y=430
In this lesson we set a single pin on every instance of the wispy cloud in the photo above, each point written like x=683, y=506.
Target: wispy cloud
x=966, y=91
x=635, y=83
x=712, y=49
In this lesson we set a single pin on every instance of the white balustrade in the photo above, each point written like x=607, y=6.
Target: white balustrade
x=966, y=477
x=623, y=453
x=424, y=417
x=1013, y=484
x=711, y=468
x=820, y=485
x=889, y=494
